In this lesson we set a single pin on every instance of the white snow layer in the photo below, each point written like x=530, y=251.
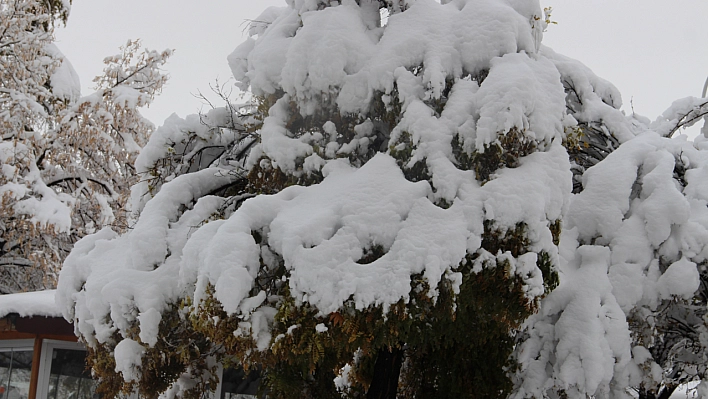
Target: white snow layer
x=128, y=354
x=46, y=207
x=28, y=304
x=631, y=207
x=64, y=81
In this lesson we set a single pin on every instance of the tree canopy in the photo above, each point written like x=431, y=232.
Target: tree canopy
x=66, y=160
x=421, y=200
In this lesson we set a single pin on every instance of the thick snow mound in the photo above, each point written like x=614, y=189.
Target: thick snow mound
x=322, y=231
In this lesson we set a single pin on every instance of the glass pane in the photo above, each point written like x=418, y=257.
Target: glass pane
x=5, y=367
x=69, y=378
x=237, y=385
x=15, y=372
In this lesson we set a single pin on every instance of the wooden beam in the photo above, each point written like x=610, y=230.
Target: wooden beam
x=15, y=335
x=67, y=338
x=34, y=376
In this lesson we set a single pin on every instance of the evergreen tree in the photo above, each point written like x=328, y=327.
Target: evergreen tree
x=461, y=296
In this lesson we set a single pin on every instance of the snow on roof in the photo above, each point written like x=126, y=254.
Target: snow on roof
x=38, y=303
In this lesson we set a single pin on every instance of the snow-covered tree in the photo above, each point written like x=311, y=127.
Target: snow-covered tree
x=28, y=61
x=629, y=314
x=104, y=132
x=202, y=152
x=66, y=161
x=391, y=215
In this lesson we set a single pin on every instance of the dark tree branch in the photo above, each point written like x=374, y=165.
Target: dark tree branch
x=78, y=178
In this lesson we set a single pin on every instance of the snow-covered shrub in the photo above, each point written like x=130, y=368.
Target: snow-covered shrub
x=392, y=218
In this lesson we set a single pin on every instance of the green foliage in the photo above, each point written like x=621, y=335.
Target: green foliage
x=179, y=349
x=386, y=109
x=550, y=275
x=402, y=151
x=496, y=240
x=505, y=152
x=101, y=361
x=263, y=178
x=465, y=354
x=516, y=241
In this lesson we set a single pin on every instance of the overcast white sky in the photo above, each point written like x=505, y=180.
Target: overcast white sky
x=654, y=51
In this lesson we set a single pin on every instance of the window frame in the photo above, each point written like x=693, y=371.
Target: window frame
x=15, y=344
x=217, y=392
x=220, y=373
x=21, y=344
x=45, y=362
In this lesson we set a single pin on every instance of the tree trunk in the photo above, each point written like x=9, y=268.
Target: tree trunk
x=387, y=369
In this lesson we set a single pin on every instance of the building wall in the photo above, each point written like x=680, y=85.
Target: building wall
x=21, y=342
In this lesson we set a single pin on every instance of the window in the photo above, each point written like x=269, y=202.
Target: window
x=235, y=384
x=15, y=368
x=63, y=373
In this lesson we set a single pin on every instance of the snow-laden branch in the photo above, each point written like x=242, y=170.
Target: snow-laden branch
x=682, y=114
